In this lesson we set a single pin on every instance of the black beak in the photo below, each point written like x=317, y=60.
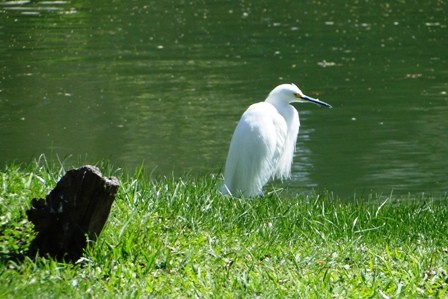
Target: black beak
x=315, y=101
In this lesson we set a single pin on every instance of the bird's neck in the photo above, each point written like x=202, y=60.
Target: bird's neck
x=278, y=103
x=287, y=111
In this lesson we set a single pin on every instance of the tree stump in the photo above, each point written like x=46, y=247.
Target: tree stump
x=72, y=214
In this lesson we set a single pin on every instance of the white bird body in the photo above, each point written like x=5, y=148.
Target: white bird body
x=263, y=144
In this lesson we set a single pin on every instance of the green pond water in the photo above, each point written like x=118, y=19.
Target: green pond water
x=164, y=83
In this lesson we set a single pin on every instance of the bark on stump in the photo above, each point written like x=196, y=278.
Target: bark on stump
x=72, y=214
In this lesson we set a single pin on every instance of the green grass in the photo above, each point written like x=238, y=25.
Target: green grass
x=178, y=238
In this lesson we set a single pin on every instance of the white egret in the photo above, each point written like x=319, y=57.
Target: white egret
x=264, y=142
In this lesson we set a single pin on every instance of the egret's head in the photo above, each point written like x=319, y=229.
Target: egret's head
x=290, y=93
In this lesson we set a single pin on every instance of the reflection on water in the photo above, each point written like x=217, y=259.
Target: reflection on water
x=165, y=85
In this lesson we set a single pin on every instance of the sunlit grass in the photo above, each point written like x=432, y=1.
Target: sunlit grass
x=179, y=238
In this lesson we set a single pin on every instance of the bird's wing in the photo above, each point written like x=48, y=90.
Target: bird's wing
x=255, y=149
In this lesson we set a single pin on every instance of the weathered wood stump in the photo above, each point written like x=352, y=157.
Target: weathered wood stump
x=72, y=214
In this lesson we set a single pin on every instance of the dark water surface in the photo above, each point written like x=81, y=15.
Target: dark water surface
x=164, y=83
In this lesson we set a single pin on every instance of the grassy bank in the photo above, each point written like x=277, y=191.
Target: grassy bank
x=178, y=238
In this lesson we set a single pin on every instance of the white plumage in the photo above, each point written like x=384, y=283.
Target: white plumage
x=263, y=144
